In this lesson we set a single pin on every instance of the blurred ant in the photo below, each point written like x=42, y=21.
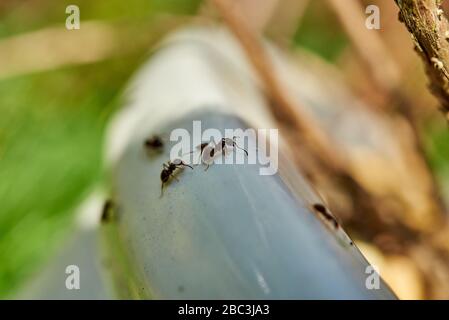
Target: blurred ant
x=168, y=170
x=329, y=217
x=106, y=213
x=326, y=214
x=154, y=143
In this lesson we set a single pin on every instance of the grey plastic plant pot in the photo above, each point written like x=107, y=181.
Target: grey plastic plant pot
x=228, y=232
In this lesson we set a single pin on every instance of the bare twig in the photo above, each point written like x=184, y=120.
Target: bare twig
x=429, y=28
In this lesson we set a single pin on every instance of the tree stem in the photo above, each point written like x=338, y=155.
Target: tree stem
x=429, y=28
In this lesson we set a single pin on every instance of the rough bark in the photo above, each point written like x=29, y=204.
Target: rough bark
x=429, y=29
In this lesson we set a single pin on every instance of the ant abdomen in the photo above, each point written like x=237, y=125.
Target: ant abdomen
x=168, y=170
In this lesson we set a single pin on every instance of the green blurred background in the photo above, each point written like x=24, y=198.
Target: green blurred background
x=52, y=123
x=52, y=127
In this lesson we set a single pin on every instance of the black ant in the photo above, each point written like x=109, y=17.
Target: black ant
x=228, y=142
x=326, y=214
x=154, y=143
x=106, y=213
x=208, y=149
x=168, y=170
x=207, y=153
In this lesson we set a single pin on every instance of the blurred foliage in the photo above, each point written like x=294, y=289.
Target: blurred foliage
x=18, y=16
x=51, y=133
x=320, y=32
x=52, y=130
x=436, y=139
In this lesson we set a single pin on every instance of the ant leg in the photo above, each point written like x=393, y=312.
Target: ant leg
x=173, y=176
x=162, y=190
x=183, y=164
x=186, y=165
x=207, y=167
x=187, y=153
x=246, y=152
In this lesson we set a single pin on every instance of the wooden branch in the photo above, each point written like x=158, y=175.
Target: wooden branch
x=429, y=27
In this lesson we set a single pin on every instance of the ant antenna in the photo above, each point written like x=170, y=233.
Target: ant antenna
x=246, y=152
x=236, y=145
